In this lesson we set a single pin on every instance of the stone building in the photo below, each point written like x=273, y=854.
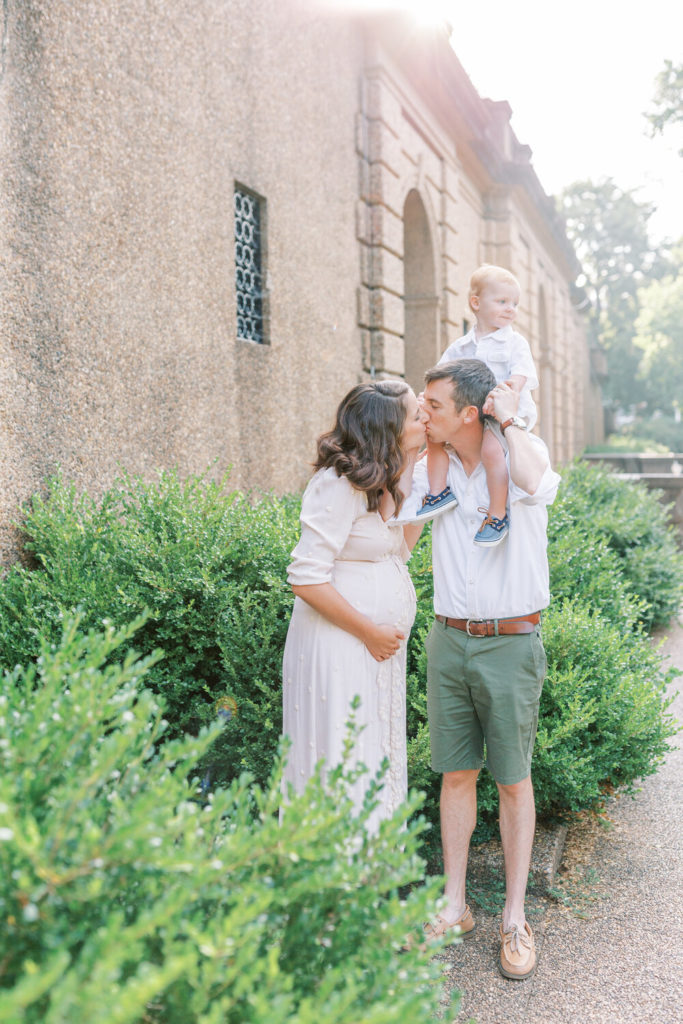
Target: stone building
x=364, y=178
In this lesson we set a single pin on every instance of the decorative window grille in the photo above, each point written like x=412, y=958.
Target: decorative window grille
x=248, y=266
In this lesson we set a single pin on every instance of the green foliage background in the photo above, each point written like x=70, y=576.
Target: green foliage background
x=207, y=569
x=634, y=289
x=127, y=897
x=141, y=657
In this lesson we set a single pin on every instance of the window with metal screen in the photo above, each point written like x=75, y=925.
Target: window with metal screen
x=248, y=266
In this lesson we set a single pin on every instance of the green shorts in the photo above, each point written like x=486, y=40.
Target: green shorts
x=484, y=690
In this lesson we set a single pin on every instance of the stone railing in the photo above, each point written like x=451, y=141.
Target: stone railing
x=659, y=472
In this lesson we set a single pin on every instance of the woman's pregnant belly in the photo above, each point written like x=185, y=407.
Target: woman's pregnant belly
x=381, y=590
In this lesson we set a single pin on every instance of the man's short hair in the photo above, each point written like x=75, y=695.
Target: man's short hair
x=471, y=380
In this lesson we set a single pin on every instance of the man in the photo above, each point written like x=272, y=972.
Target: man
x=486, y=661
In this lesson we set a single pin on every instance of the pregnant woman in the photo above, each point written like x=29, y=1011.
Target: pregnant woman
x=355, y=601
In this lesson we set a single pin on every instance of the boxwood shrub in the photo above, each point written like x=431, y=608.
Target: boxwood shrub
x=206, y=566
x=127, y=895
x=635, y=526
x=208, y=569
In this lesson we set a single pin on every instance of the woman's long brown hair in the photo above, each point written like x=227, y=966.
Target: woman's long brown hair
x=365, y=443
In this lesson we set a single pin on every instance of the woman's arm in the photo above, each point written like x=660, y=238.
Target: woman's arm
x=411, y=531
x=411, y=534
x=382, y=641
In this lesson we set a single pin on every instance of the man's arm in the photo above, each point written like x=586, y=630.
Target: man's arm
x=528, y=461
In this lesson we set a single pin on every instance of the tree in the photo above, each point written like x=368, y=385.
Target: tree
x=609, y=229
x=668, y=100
x=659, y=336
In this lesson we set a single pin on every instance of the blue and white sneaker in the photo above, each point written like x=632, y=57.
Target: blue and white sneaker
x=492, y=531
x=434, y=504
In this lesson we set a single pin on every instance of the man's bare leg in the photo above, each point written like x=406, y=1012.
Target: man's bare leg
x=517, y=826
x=458, y=818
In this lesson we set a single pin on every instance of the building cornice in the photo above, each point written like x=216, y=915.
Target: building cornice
x=480, y=128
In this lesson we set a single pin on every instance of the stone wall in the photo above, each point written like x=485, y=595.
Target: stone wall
x=445, y=187
x=125, y=130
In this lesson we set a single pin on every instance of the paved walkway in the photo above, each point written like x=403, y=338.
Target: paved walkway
x=611, y=947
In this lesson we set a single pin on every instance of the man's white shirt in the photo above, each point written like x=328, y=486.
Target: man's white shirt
x=478, y=582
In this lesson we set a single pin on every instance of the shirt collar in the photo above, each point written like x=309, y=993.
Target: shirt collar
x=502, y=334
x=455, y=459
x=467, y=339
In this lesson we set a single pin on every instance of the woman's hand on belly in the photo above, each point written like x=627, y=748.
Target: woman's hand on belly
x=383, y=641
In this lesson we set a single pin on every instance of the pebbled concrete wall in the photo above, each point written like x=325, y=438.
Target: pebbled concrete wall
x=386, y=179
x=124, y=129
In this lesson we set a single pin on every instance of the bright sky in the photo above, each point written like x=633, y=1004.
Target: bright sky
x=578, y=77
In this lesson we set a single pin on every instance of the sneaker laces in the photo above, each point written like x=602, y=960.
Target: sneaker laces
x=490, y=520
x=432, y=499
x=517, y=937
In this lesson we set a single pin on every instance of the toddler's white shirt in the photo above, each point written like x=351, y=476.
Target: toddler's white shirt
x=505, y=352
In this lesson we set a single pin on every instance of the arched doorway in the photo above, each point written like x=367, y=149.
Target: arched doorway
x=420, y=299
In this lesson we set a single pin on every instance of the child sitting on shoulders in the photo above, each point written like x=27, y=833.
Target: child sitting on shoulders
x=493, y=298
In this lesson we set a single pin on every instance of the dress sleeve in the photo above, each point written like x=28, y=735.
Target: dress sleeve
x=522, y=361
x=329, y=506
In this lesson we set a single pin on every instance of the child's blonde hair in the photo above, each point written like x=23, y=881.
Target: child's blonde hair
x=490, y=274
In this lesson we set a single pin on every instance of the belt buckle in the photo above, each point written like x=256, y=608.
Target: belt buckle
x=467, y=628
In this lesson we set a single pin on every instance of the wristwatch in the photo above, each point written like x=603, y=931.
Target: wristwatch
x=514, y=421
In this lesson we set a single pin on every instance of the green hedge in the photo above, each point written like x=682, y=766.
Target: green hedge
x=208, y=569
x=127, y=897
x=634, y=525
x=603, y=718
x=206, y=566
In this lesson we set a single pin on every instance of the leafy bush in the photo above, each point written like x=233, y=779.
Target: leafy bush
x=603, y=718
x=661, y=433
x=125, y=897
x=617, y=443
x=615, y=568
x=584, y=568
x=207, y=567
x=634, y=525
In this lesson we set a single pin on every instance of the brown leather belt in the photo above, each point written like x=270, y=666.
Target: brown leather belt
x=493, y=627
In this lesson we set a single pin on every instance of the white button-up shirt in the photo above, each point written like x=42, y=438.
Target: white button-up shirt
x=505, y=352
x=478, y=582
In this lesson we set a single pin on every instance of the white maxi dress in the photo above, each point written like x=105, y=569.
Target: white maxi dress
x=324, y=667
